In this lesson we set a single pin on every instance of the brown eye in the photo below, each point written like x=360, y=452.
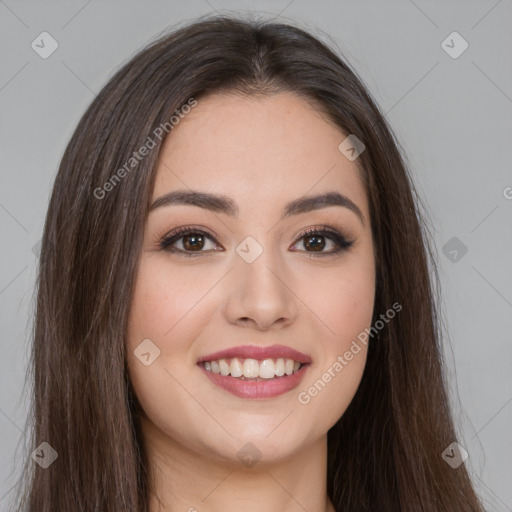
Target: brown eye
x=188, y=241
x=193, y=242
x=316, y=243
x=314, y=240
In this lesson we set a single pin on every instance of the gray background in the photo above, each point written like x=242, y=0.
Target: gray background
x=452, y=117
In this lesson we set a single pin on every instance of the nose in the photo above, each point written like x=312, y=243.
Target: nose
x=260, y=294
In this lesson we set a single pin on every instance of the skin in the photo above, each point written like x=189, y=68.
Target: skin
x=262, y=152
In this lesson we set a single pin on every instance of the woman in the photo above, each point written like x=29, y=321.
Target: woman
x=234, y=305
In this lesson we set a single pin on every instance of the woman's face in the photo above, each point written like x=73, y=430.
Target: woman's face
x=245, y=278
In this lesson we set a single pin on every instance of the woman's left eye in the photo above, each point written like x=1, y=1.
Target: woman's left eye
x=193, y=241
x=315, y=239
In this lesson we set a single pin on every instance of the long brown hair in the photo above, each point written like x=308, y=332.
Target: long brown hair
x=384, y=453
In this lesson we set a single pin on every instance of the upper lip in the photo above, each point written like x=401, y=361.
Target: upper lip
x=259, y=353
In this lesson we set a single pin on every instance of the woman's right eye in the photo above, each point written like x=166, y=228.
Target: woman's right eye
x=192, y=241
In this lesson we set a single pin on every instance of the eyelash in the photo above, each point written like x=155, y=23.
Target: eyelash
x=340, y=240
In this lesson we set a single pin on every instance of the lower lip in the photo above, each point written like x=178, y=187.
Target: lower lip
x=257, y=389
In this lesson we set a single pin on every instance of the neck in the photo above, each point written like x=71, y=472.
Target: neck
x=185, y=480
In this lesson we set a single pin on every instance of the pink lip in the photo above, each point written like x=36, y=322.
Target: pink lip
x=257, y=389
x=258, y=353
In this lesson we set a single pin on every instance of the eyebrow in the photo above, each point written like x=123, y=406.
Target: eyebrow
x=224, y=204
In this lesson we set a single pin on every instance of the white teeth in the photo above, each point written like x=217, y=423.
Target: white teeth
x=236, y=368
x=280, y=367
x=215, y=367
x=224, y=367
x=252, y=368
x=267, y=369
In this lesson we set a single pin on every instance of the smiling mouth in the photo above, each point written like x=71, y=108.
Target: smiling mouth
x=253, y=369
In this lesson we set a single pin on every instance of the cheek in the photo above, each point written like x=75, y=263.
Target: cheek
x=162, y=301
x=164, y=310
x=342, y=300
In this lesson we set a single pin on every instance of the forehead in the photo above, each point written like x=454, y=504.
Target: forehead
x=259, y=150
